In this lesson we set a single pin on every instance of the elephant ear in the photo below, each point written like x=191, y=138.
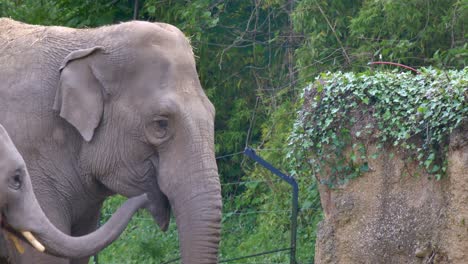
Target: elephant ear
x=79, y=97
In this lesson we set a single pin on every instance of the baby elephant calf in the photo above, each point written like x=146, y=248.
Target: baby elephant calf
x=18, y=204
x=21, y=215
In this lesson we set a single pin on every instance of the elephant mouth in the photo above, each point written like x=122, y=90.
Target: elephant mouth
x=159, y=206
x=15, y=236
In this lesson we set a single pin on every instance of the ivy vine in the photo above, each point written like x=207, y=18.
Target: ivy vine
x=342, y=112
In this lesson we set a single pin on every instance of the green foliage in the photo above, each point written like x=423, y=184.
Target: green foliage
x=325, y=27
x=412, y=32
x=342, y=112
x=33, y=12
x=192, y=17
x=346, y=35
x=142, y=241
x=239, y=60
x=67, y=12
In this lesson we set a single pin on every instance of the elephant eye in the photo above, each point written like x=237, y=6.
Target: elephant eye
x=158, y=130
x=160, y=127
x=16, y=181
x=163, y=123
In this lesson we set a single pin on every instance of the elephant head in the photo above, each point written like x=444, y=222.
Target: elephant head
x=21, y=214
x=147, y=126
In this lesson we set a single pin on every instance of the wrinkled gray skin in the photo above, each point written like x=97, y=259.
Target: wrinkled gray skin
x=117, y=109
x=20, y=210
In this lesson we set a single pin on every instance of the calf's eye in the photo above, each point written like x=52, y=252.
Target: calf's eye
x=16, y=181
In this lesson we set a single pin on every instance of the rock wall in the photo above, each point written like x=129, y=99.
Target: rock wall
x=396, y=214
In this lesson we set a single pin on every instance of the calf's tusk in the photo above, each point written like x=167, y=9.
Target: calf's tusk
x=36, y=244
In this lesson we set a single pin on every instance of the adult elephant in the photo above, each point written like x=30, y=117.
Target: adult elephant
x=20, y=213
x=117, y=109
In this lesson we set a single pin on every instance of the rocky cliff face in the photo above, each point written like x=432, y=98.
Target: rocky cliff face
x=396, y=213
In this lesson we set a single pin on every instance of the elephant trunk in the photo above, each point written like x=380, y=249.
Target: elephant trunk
x=59, y=244
x=198, y=217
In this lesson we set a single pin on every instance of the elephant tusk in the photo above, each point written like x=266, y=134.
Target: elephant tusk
x=36, y=244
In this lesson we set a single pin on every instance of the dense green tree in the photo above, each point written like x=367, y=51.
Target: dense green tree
x=347, y=35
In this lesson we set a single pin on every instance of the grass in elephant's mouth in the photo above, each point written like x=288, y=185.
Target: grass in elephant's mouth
x=10, y=230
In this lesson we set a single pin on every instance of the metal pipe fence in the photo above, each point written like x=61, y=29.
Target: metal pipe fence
x=249, y=152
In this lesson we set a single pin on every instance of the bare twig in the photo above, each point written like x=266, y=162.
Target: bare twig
x=238, y=39
x=290, y=44
x=396, y=64
x=345, y=54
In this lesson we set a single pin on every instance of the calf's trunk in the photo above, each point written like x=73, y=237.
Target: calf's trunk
x=59, y=244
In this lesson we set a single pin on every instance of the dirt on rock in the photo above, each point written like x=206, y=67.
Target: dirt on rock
x=397, y=213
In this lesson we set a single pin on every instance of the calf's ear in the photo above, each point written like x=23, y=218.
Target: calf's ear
x=79, y=97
